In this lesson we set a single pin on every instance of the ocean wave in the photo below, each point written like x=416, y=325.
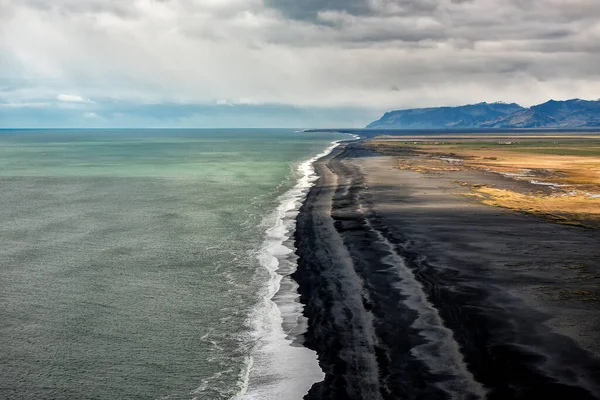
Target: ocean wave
x=279, y=369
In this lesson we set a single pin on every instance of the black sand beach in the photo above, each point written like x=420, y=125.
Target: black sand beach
x=413, y=292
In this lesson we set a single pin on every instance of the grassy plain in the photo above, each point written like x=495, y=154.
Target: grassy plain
x=560, y=174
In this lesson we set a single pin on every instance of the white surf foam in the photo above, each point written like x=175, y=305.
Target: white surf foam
x=280, y=369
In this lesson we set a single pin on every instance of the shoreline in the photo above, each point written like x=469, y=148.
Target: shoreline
x=278, y=322
x=364, y=218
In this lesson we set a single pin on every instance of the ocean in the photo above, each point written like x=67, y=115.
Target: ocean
x=141, y=264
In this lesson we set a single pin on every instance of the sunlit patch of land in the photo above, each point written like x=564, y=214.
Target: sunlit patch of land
x=572, y=210
x=563, y=171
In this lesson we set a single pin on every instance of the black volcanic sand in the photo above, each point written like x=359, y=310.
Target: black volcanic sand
x=413, y=292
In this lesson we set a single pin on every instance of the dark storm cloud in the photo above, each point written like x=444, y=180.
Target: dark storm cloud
x=310, y=9
x=462, y=22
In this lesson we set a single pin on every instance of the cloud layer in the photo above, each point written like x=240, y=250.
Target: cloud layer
x=333, y=54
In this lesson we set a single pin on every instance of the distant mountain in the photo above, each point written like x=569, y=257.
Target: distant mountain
x=552, y=114
x=446, y=117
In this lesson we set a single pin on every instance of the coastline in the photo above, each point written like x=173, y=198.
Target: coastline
x=278, y=322
x=367, y=228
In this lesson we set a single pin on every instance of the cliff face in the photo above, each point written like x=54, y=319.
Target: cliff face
x=552, y=114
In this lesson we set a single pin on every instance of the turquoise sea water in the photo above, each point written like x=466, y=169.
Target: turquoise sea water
x=129, y=260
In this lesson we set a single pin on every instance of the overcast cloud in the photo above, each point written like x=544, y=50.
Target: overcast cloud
x=361, y=56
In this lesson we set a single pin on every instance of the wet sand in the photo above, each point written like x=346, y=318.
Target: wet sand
x=414, y=292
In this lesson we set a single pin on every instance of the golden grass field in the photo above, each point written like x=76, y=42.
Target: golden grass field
x=566, y=168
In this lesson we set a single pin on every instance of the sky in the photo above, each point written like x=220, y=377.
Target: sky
x=285, y=63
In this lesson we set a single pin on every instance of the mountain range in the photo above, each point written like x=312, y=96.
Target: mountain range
x=573, y=113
